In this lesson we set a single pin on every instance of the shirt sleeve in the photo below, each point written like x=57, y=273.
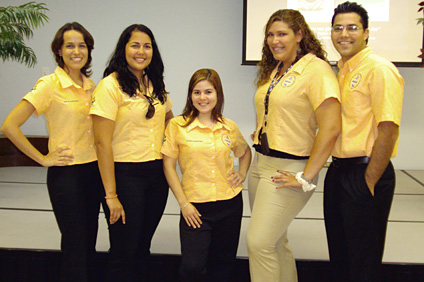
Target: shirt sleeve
x=106, y=100
x=322, y=84
x=170, y=146
x=239, y=145
x=386, y=90
x=40, y=96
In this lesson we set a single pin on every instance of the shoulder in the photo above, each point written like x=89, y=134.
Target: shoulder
x=319, y=64
x=178, y=121
x=109, y=82
x=312, y=65
x=229, y=123
x=376, y=64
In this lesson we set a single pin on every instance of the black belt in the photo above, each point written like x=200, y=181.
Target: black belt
x=350, y=161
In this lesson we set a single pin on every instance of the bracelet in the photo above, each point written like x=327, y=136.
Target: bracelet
x=112, y=197
x=184, y=206
x=307, y=184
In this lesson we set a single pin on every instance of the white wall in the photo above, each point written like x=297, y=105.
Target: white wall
x=191, y=34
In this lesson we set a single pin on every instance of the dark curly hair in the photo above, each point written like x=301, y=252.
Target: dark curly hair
x=127, y=80
x=190, y=112
x=58, y=42
x=309, y=43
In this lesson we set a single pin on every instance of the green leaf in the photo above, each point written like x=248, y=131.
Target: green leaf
x=17, y=23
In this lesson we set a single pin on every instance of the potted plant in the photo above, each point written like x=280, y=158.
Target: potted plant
x=16, y=24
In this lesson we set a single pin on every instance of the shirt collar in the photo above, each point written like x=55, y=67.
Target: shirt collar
x=356, y=60
x=197, y=123
x=66, y=81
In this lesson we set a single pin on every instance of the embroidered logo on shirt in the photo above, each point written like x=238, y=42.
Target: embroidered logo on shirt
x=356, y=79
x=288, y=81
x=226, y=139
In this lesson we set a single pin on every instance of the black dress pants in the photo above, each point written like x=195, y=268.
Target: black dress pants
x=143, y=191
x=208, y=253
x=75, y=193
x=356, y=221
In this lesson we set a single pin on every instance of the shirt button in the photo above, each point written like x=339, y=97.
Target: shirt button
x=151, y=130
x=213, y=171
x=153, y=145
x=213, y=157
x=86, y=104
x=213, y=184
x=88, y=116
x=91, y=146
x=89, y=131
x=213, y=143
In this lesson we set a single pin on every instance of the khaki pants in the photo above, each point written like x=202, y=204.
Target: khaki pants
x=270, y=256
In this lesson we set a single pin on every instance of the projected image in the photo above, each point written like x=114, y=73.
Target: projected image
x=394, y=33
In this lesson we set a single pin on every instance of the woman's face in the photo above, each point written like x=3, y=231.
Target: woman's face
x=74, y=51
x=138, y=52
x=204, y=97
x=283, y=42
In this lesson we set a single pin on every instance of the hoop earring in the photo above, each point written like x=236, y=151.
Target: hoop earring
x=299, y=51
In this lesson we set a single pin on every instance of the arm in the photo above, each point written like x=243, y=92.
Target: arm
x=236, y=178
x=11, y=128
x=328, y=116
x=103, y=132
x=189, y=212
x=382, y=150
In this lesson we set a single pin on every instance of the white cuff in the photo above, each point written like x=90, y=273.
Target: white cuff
x=306, y=186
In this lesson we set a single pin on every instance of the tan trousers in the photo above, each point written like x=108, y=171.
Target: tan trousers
x=270, y=256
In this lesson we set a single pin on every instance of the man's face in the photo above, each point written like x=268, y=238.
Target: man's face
x=348, y=35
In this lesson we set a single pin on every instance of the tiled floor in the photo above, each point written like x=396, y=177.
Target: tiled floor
x=27, y=220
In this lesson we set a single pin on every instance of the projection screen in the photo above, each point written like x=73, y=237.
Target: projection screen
x=394, y=33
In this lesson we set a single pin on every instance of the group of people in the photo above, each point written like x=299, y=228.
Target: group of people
x=118, y=144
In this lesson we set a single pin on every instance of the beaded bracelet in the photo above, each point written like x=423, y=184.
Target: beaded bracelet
x=112, y=197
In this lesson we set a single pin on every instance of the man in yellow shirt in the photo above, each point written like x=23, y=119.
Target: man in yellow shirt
x=360, y=183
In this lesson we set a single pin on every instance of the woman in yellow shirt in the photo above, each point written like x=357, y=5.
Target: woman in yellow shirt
x=298, y=121
x=130, y=108
x=209, y=192
x=73, y=178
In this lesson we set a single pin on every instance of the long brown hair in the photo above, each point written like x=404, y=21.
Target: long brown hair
x=190, y=112
x=308, y=44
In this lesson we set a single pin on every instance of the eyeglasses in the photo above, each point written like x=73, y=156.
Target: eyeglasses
x=151, y=110
x=350, y=28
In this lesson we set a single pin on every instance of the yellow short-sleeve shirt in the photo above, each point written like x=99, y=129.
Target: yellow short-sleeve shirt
x=135, y=138
x=204, y=156
x=291, y=123
x=371, y=92
x=66, y=107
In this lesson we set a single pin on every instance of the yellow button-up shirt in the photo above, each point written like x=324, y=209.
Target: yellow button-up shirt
x=291, y=123
x=65, y=106
x=135, y=138
x=371, y=92
x=204, y=156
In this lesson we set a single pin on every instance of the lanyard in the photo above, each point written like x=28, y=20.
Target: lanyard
x=271, y=86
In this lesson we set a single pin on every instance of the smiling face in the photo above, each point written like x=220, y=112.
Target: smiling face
x=138, y=52
x=204, y=97
x=283, y=42
x=74, y=51
x=349, y=43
